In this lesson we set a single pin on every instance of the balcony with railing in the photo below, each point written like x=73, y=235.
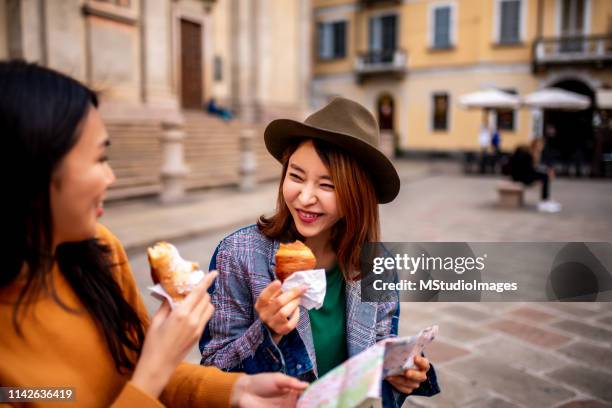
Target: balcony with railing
x=595, y=51
x=372, y=3
x=381, y=63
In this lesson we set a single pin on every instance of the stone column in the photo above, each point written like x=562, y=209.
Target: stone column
x=305, y=60
x=26, y=30
x=248, y=159
x=173, y=169
x=156, y=54
x=244, y=18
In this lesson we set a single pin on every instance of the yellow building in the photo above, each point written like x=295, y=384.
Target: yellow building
x=409, y=61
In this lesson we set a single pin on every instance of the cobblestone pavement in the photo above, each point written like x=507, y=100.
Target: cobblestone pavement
x=487, y=354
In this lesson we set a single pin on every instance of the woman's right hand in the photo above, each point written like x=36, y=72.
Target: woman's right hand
x=170, y=336
x=279, y=310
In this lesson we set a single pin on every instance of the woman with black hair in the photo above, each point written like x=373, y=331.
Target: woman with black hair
x=70, y=312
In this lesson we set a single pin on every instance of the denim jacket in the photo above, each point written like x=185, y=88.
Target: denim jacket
x=235, y=339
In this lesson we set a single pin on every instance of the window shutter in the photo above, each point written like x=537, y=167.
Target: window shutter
x=325, y=41
x=340, y=39
x=389, y=33
x=510, y=21
x=442, y=27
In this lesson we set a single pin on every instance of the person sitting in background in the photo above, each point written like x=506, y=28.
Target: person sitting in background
x=215, y=109
x=524, y=170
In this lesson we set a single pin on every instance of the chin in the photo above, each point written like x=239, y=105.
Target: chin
x=89, y=232
x=307, y=231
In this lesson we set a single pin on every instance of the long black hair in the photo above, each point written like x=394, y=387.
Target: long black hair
x=41, y=116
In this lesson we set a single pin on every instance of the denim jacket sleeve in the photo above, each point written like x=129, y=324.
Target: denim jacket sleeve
x=235, y=339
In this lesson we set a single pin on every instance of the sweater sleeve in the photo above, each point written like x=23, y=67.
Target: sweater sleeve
x=132, y=396
x=190, y=385
x=197, y=386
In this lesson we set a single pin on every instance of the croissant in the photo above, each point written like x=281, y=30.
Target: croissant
x=170, y=270
x=293, y=257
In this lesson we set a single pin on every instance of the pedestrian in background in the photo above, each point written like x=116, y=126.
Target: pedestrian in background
x=484, y=141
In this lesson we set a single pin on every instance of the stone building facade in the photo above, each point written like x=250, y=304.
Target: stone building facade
x=156, y=63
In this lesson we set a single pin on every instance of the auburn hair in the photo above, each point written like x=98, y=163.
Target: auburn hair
x=357, y=203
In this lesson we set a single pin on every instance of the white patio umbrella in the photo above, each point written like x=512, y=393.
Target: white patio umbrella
x=489, y=99
x=556, y=98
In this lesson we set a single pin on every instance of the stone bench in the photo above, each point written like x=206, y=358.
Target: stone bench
x=511, y=194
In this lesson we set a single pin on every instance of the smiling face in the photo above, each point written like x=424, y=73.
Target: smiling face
x=310, y=194
x=79, y=184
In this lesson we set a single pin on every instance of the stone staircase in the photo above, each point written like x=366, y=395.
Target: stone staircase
x=135, y=156
x=212, y=153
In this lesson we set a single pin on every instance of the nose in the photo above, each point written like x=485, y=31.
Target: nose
x=307, y=195
x=110, y=176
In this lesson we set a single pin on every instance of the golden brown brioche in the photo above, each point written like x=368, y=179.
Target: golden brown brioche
x=170, y=270
x=293, y=257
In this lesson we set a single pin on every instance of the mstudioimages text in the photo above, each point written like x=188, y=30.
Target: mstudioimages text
x=440, y=285
x=413, y=264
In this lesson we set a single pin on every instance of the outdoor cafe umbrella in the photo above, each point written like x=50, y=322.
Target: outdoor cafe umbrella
x=556, y=98
x=489, y=100
x=552, y=98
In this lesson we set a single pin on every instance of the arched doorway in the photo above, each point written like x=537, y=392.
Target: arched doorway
x=386, y=123
x=386, y=111
x=569, y=135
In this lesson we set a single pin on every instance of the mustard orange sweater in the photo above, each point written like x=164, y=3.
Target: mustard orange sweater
x=65, y=349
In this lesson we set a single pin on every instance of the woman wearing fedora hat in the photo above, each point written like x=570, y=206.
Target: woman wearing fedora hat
x=332, y=181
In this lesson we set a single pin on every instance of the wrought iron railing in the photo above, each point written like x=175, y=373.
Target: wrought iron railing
x=368, y=3
x=381, y=60
x=596, y=49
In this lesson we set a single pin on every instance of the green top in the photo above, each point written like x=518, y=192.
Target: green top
x=329, y=324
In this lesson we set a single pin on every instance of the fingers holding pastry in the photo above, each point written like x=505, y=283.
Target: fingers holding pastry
x=171, y=271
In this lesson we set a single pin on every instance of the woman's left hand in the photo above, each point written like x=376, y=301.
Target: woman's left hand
x=412, y=378
x=266, y=390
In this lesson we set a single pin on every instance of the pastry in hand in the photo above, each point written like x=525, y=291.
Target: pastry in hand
x=293, y=257
x=170, y=270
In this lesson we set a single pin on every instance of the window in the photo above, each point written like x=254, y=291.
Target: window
x=332, y=40
x=573, y=24
x=383, y=37
x=506, y=117
x=442, y=27
x=218, y=68
x=510, y=21
x=440, y=111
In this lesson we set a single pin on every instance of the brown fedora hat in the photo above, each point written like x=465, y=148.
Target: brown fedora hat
x=346, y=124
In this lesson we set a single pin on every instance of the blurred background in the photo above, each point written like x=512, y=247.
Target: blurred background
x=188, y=86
